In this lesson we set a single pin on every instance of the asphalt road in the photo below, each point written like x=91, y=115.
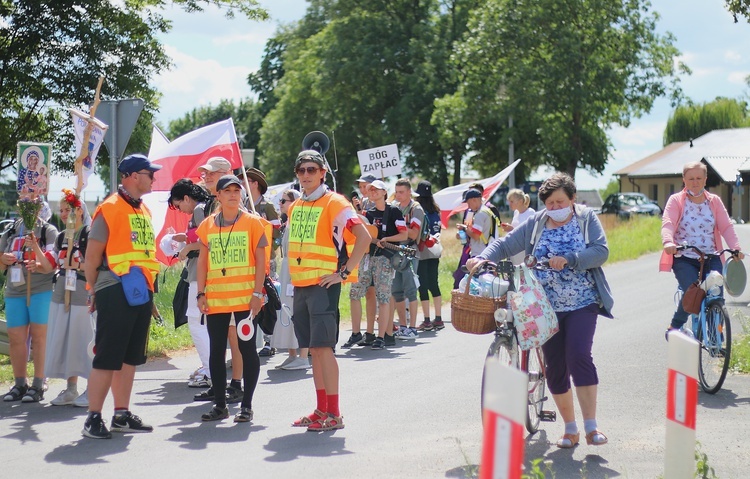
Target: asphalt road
x=410, y=411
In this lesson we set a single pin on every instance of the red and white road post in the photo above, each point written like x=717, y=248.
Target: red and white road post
x=682, y=403
x=505, y=399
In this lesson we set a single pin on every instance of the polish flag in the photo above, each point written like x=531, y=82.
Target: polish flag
x=449, y=199
x=182, y=157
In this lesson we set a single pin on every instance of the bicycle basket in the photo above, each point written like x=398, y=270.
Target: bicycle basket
x=474, y=314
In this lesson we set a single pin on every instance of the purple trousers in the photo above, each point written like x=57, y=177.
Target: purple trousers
x=568, y=353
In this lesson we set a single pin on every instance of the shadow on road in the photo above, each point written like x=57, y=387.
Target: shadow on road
x=723, y=399
x=89, y=451
x=305, y=444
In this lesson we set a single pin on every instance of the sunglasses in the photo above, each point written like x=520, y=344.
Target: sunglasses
x=310, y=170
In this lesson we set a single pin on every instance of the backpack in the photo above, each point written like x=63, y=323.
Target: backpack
x=430, y=226
x=11, y=231
x=494, y=224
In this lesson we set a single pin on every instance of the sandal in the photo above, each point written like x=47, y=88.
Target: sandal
x=33, y=395
x=596, y=438
x=305, y=421
x=207, y=395
x=216, y=413
x=569, y=441
x=15, y=393
x=328, y=423
x=245, y=415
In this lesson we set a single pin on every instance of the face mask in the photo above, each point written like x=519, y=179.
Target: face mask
x=560, y=215
x=696, y=194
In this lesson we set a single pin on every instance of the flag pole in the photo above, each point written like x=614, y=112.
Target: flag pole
x=247, y=187
x=78, y=167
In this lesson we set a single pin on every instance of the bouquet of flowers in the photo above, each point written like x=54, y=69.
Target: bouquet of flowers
x=71, y=198
x=29, y=209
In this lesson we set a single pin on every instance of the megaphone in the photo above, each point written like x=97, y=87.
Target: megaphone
x=316, y=140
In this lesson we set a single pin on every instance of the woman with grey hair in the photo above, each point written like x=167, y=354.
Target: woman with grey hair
x=70, y=328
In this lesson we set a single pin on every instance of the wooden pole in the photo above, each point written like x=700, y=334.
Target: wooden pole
x=78, y=168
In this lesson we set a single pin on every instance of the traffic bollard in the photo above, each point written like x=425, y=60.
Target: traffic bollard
x=682, y=403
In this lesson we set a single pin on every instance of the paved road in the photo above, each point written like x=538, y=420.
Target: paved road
x=410, y=411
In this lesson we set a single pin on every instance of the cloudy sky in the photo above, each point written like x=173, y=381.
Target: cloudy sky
x=213, y=55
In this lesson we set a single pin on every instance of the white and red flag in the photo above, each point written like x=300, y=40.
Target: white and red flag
x=182, y=157
x=98, y=130
x=450, y=199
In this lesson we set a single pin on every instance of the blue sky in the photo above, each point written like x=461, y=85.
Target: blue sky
x=213, y=56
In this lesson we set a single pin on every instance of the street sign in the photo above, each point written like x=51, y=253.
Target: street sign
x=121, y=116
x=382, y=161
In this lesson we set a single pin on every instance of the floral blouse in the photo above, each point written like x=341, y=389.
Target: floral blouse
x=696, y=228
x=567, y=290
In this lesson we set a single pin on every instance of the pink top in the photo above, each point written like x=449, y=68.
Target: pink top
x=671, y=220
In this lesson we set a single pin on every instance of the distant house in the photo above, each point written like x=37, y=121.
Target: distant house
x=726, y=154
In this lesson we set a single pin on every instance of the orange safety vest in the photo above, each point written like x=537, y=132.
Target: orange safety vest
x=231, y=262
x=312, y=253
x=137, y=248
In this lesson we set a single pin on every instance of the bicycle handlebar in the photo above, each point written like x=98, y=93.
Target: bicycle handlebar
x=683, y=247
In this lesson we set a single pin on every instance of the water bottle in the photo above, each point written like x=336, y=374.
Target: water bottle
x=463, y=237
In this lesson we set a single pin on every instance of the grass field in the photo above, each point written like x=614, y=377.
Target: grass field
x=627, y=240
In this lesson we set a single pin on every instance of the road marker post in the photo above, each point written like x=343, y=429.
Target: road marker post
x=682, y=404
x=505, y=399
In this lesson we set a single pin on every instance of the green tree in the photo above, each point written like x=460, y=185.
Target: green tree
x=53, y=53
x=739, y=7
x=612, y=187
x=564, y=72
x=691, y=121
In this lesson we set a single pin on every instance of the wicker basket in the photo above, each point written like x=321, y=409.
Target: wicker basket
x=474, y=314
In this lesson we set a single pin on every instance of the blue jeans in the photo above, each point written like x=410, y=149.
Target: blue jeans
x=686, y=271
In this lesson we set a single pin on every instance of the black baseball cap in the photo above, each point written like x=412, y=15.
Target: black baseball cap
x=227, y=180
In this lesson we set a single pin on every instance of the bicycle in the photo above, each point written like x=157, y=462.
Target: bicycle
x=712, y=329
x=505, y=348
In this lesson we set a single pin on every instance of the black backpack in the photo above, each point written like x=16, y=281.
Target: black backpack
x=266, y=318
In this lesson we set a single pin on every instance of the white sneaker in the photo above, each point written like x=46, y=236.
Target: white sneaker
x=82, y=400
x=285, y=363
x=407, y=333
x=297, y=363
x=65, y=398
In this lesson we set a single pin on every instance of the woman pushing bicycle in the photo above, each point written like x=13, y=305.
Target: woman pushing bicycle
x=571, y=238
x=696, y=217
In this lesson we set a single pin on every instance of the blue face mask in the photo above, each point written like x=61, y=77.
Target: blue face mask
x=560, y=215
x=700, y=193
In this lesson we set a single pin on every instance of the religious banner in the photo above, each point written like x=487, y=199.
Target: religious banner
x=96, y=137
x=34, y=160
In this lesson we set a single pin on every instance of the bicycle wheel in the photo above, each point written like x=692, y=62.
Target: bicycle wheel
x=506, y=351
x=533, y=363
x=715, y=338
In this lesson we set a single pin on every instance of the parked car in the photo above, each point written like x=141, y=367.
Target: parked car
x=627, y=204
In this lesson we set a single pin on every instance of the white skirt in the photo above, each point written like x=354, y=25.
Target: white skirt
x=68, y=337
x=283, y=333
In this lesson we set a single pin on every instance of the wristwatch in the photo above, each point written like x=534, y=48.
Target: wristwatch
x=344, y=273
x=258, y=295
x=198, y=296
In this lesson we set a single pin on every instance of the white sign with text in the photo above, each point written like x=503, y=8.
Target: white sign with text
x=380, y=162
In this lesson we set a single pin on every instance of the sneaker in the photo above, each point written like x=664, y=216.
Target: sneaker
x=245, y=415
x=285, y=363
x=408, y=333
x=65, y=398
x=438, y=324
x=353, y=339
x=378, y=344
x=425, y=326
x=267, y=350
x=200, y=382
x=33, y=395
x=94, y=427
x=298, y=363
x=389, y=340
x=82, y=400
x=234, y=395
x=367, y=340
x=129, y=422
x=400, y=331
x=16, y=393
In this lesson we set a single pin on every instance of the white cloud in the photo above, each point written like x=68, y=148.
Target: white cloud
x=638, y=134
x=737, y=78
x=196, y=82
x=733, y=57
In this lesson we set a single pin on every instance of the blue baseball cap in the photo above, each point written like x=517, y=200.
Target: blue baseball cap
x=472, y=193
x=136, y=162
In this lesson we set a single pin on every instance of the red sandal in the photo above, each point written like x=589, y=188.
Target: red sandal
x=328, y=423
x=306, y=421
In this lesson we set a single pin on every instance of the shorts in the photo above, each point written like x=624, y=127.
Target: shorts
x=314, y=315
x=121, y=330
x=379, y=273
x=404, y=286
x=18, y=314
